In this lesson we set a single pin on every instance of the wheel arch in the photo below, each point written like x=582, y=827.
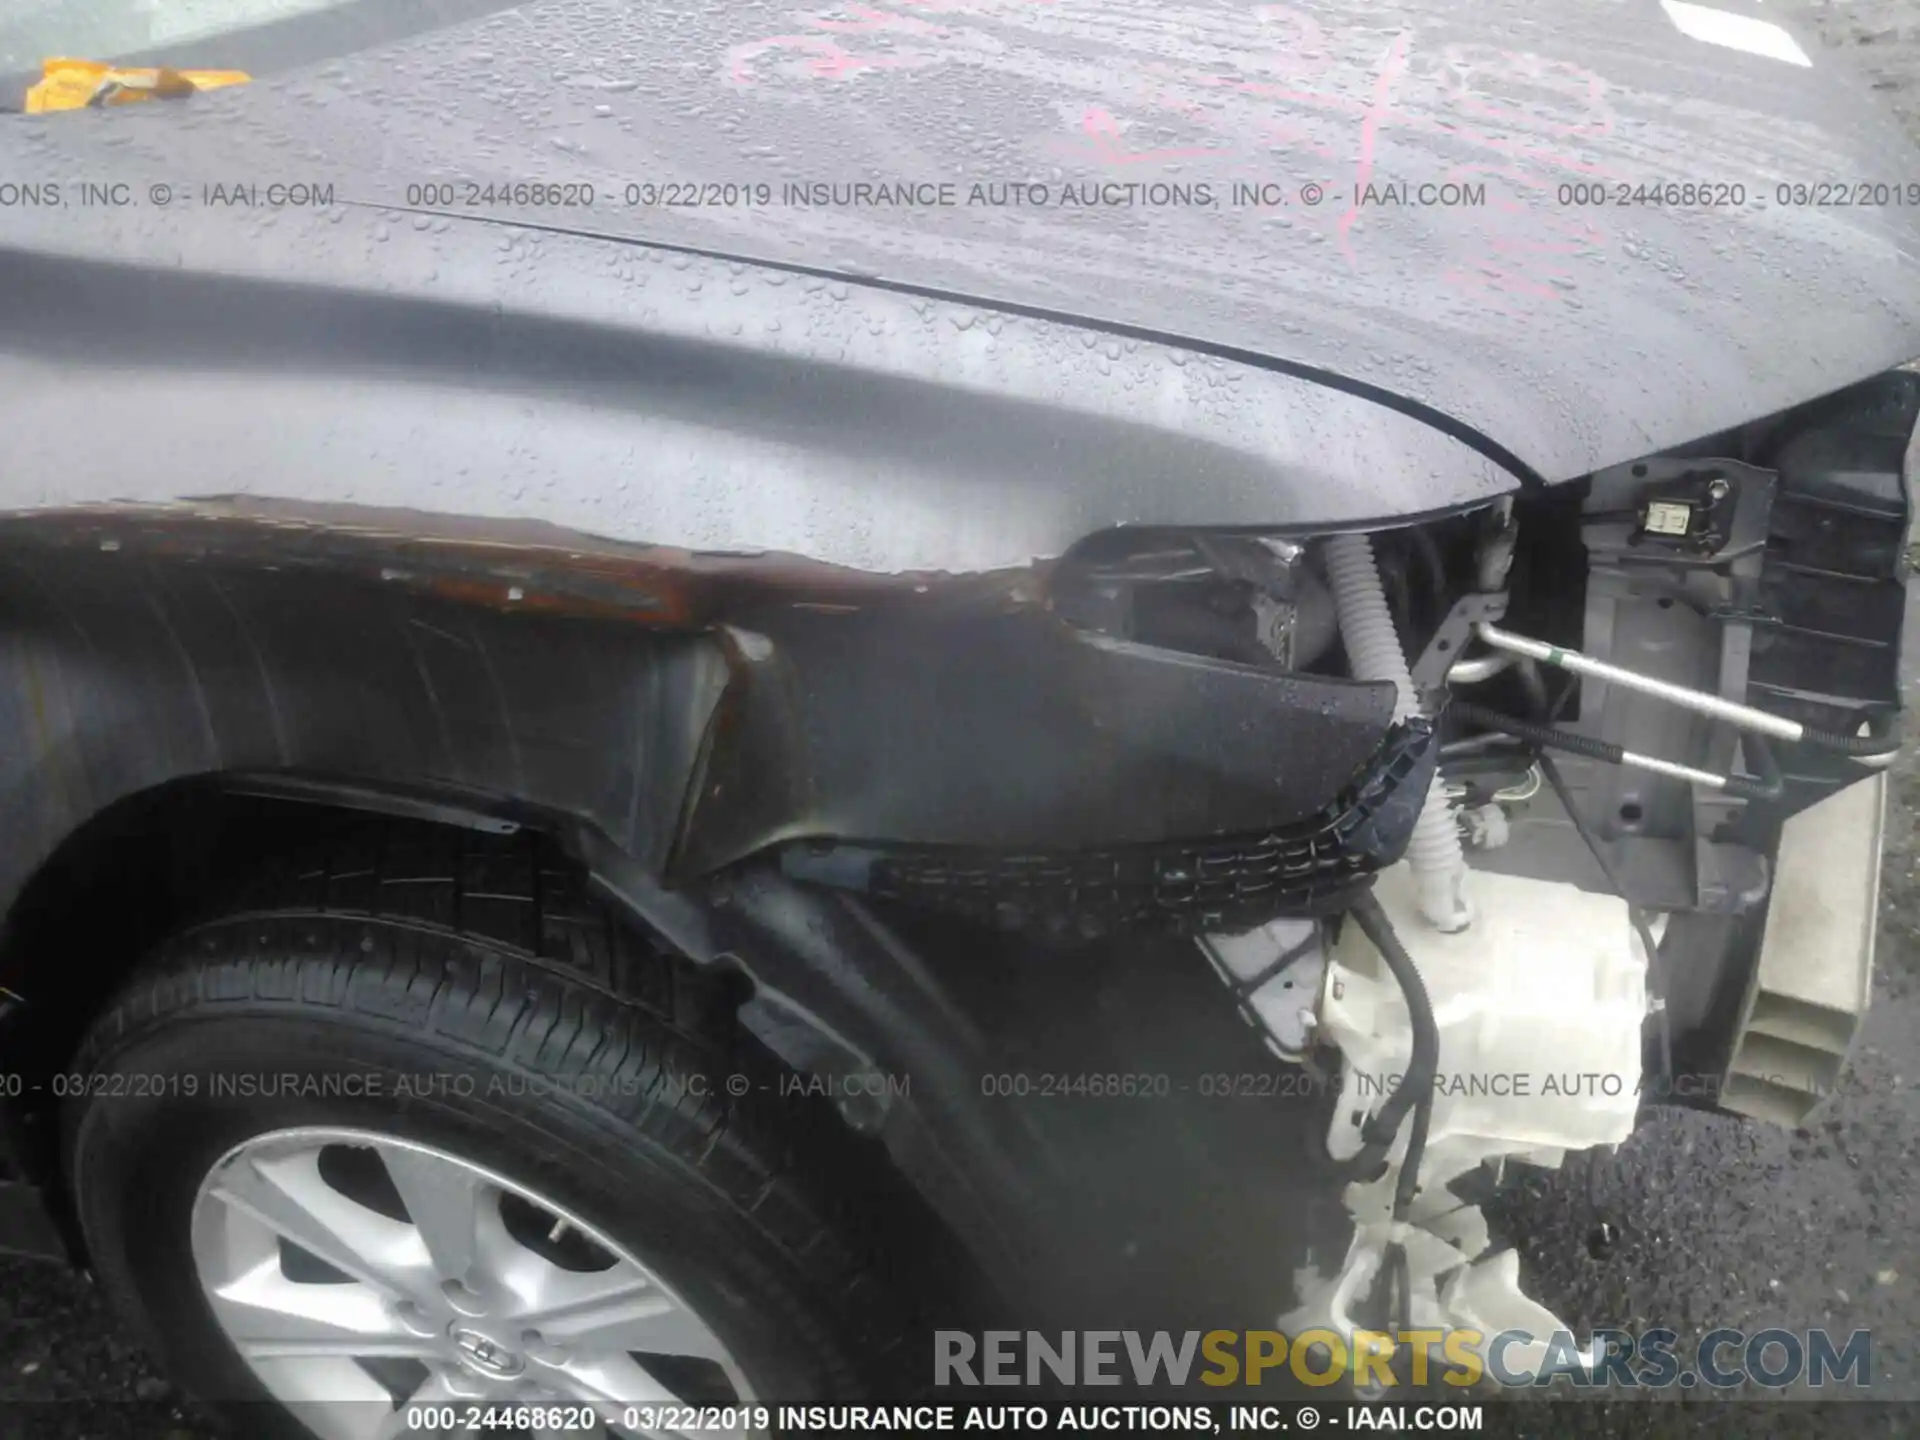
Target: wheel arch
x=152, y=687
x=827, y=1011
x=158, y=672
x=141, y=866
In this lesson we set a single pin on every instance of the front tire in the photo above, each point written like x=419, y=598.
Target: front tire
x=273, y=1129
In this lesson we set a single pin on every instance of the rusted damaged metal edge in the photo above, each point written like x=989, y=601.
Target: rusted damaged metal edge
x=734, y=703
x=507, y=564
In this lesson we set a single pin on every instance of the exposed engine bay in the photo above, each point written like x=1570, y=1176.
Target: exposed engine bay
x=1642, y=867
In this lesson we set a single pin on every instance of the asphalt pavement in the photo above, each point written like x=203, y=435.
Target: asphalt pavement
x=1697, y=1222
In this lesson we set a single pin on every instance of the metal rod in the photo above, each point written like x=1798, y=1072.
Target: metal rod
x=1668, y=767
x=1481, y=667
x=1699, y=701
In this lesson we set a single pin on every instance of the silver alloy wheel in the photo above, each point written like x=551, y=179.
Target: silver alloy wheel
x=361, y=1316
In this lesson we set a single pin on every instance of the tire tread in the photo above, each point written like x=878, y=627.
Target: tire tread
x=494, y=945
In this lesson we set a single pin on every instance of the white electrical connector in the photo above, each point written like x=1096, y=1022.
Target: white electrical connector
x=1485, y=827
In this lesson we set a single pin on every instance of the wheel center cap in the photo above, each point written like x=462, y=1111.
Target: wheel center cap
x=484, y=1357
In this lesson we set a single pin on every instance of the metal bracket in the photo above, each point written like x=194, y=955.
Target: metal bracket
x=1447, y=643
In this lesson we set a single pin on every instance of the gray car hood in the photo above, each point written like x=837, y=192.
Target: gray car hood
x=1568, y=334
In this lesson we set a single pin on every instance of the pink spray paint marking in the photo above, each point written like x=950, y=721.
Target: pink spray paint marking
x=1108, y=139
x=1523, y=262
x=827, y=59
x=1381, y=107
x=1576, y=84
x=1233, y=146
x=1518, y=265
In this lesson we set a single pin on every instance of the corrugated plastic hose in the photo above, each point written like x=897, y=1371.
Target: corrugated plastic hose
x=1373, y=653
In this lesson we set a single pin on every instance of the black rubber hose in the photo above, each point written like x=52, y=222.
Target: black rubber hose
x=1423, y=1066
x=1855, y=745
x=1377, y=1135
x=1416, y=1088
x=1551, y=737
x=1405, y=1187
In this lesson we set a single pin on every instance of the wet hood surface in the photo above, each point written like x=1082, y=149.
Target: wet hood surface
x=1570, y=333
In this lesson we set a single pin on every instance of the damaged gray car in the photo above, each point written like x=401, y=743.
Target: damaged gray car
x=684, y=695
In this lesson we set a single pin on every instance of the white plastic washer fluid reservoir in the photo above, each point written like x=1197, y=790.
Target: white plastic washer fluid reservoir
x=1540, y=1008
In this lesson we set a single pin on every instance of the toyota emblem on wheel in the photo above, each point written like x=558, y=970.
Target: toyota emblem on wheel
x=485, y=1356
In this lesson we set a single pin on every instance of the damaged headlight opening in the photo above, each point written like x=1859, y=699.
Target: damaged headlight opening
x=1447, y=960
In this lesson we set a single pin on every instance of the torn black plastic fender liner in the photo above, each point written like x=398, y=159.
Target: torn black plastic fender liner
x=1222, y=883
x=1003, y=729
